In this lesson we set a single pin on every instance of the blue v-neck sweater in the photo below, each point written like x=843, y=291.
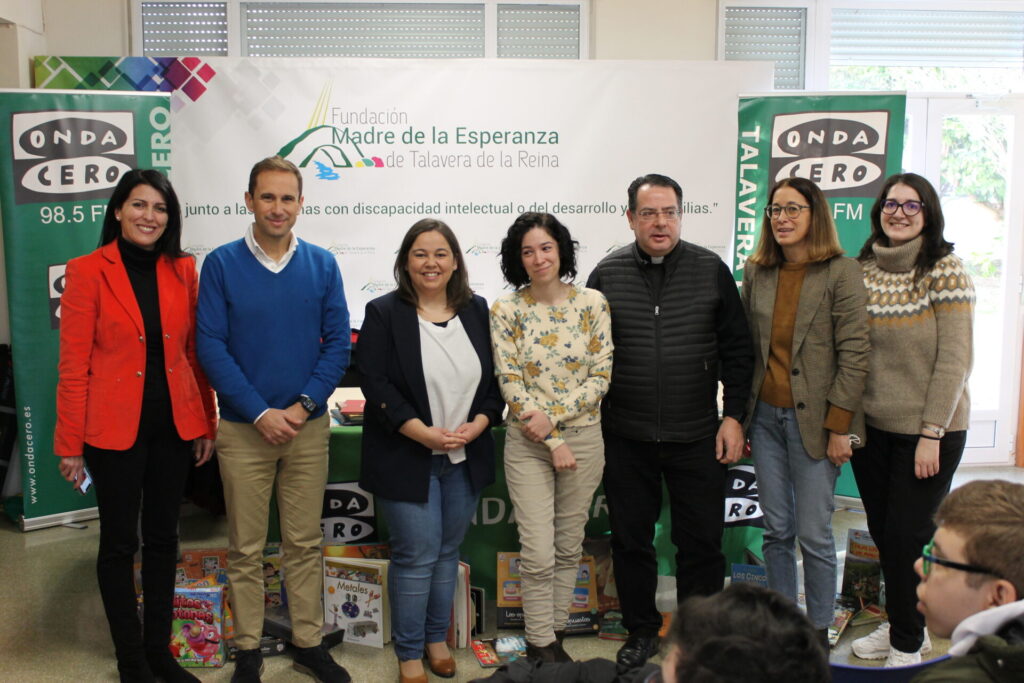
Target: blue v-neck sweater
x=265, y=338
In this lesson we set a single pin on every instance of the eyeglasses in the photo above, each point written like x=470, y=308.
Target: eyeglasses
x=773, y=211
x=650, y=214
x=910, y=208
x=927, y=559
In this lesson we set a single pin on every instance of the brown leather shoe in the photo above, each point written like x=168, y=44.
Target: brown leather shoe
x=445, y=667
x=422, y=678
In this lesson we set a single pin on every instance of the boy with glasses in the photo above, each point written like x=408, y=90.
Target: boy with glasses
x=972, y=583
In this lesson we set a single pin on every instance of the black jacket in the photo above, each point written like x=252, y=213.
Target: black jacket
x=672, y=350
x=393, y=465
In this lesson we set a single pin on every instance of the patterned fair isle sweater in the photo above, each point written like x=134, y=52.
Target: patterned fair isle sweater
x=921, y=341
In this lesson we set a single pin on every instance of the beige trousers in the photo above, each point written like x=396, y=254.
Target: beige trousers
x=551, y=510
x=250, y=467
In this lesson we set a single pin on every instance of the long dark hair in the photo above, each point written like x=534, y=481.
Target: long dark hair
x=458, y=292
x=934, y=245
x=511, y=247
x=169, y=242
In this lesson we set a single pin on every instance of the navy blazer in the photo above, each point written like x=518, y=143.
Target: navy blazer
x=393, y=465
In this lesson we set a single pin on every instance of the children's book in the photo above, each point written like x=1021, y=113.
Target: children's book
x=371, y=551
x=600, y=548
x=583, y=612
x=611, y=626
x=355, y=599
x=494, y=652
x=862, y=573
x=205, y=561
x=749, y=573
x=196, y=630
x=273, y=576
x=844, y=611
x=461, y=624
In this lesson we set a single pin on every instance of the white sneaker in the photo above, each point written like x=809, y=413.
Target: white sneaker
x=899, y=658
x=875, y=645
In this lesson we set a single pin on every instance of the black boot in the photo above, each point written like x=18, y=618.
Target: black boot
x=167, y=669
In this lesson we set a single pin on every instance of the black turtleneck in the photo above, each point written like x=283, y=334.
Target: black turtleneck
x=141, y=267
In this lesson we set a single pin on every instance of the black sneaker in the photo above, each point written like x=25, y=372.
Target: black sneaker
x=248, y=667
x=552, y=652
x=318, y=663
x=637, y=650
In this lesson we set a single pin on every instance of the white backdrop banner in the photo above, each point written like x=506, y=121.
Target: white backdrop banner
x=383, y=143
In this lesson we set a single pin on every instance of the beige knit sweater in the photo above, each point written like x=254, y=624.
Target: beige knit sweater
x=921, y=341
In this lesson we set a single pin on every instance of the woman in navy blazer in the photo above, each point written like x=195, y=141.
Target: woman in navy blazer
x=427, y=450
x=133, y=404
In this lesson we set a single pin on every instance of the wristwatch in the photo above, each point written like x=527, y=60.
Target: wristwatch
x=308, y=404
x=939, y=432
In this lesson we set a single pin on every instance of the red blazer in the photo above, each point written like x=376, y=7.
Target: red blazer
x=103, y=354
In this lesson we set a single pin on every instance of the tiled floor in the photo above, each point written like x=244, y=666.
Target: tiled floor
x=52, y=626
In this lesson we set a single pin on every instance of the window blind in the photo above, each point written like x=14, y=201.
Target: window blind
x=927, y=38
x=175, y=29
x=539, y=31
x=279, y=29
x=774, y=34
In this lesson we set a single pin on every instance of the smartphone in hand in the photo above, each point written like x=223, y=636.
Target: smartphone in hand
x=86, y=484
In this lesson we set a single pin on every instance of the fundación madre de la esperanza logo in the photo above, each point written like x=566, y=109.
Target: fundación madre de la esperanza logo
x=327, y=147
x=61, y=156
x=844, y=153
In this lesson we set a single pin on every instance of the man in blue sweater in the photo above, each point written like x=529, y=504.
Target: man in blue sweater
x=272, y=334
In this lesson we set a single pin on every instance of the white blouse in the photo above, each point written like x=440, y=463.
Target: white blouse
x=452, y=371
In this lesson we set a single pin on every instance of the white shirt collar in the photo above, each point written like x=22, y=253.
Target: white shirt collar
x=983, y=623
x=264, y=259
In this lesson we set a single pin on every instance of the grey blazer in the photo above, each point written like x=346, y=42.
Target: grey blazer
x=830, y=343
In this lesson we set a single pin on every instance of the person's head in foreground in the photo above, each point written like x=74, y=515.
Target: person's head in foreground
x=975, y=561
x=745, y=634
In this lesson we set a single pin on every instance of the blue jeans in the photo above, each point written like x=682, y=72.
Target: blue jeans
x=425, y=539
x=796, y=495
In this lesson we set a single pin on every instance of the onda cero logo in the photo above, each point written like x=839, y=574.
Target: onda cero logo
x=839, y=151
x=68, y=155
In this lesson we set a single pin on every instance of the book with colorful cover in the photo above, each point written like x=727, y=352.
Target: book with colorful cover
x=273, y=576
x=843, y=613
x=749, y=573
x=612, y=627
x=355, y=599
x=600, y=548
x=197, y=639
x=213, y=581
x=862, y=571
x=461, y=624
x=493, y=652
x=583, y=607
x=200, y=562
x=370, y=551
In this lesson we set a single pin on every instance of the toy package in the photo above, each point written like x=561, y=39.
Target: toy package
x=196, y=630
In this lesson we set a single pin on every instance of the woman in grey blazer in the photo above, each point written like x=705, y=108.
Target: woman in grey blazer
x=806, y=308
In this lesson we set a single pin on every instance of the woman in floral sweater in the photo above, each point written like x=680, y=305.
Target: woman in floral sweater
x=553, y=357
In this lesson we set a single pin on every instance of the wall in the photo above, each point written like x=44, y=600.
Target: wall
x=653, y=29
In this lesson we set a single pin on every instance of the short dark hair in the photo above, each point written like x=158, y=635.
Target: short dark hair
x=933, y=243
x=746, y=634
x=657, y=180
x=458, y=291
x=989, y=515
x=169, y=242
x=511, y=247
x=822, y=238
x=274, y=163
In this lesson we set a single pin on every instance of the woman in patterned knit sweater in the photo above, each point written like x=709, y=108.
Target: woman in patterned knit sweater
x=921, y=308
x=553, y=357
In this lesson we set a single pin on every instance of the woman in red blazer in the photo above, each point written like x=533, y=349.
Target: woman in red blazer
x=133, y=405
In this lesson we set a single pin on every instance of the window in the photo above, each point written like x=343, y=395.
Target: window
x=288, y=28
x=921, y=45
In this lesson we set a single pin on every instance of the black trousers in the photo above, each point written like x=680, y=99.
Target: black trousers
x=150, y=475
x=633, y=475
x=900, y=510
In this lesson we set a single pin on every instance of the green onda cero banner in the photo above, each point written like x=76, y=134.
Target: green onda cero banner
x=61, y=154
